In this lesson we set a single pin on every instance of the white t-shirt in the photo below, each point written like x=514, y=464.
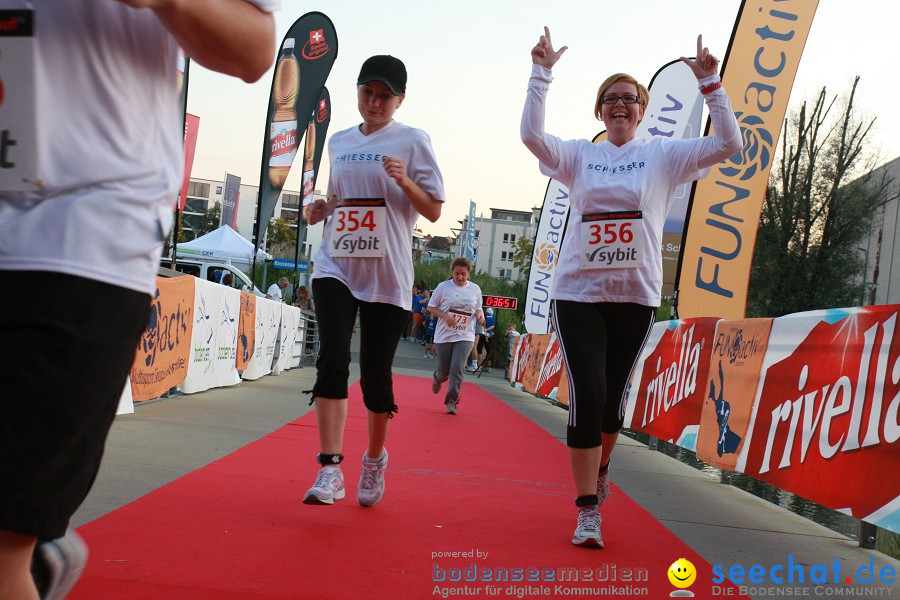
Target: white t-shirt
x=109, y=138
x=641, y=175
x=275, y=292
x=460, y=301
x=357, y=171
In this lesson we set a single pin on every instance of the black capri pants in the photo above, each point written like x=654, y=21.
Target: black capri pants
x=64, y=359
x=380, y=326
x=600, y=344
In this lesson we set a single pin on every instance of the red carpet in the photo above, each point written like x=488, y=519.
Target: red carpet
x=486, y=480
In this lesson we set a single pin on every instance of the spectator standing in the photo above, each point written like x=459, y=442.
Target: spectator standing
x=274, y=291
x=487, y=340
x=511, y=335
x=474, y=355
x=302, y=298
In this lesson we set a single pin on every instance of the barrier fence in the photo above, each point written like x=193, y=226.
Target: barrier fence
x=203, y=335
x=806, y=402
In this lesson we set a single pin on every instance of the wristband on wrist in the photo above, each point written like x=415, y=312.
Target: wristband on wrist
x=706, y=89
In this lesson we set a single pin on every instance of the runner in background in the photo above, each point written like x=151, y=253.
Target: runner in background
x=457, y=304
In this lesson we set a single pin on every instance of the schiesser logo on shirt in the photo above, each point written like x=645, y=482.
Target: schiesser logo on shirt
x=617, y=169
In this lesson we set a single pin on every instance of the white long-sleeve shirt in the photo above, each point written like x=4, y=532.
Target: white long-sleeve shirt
x=641, y=175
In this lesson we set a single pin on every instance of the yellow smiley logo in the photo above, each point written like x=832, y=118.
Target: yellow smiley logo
x=682, y=573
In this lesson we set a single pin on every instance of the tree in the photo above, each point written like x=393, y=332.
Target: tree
x=524, y=248
x=818, y=207
x=210, y=220
x=281, y=238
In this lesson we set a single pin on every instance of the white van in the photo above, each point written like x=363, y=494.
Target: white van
x=212, y=271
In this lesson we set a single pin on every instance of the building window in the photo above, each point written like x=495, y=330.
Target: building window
x=512, y=238
x=198, y=189
x=505, y=238
x=218, y=190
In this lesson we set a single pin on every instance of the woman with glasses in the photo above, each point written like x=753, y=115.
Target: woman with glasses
x=609, y=273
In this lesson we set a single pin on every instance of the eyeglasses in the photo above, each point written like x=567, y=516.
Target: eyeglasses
x=627, y=99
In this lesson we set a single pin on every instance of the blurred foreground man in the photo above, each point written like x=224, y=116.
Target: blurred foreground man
x=92, y=206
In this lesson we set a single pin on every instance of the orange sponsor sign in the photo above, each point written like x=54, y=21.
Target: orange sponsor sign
x=531, y=372
x=720, y=235
x=246, y=331
x=733, y=376
x=163, y=351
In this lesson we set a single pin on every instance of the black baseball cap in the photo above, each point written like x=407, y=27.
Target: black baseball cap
x=388, y=70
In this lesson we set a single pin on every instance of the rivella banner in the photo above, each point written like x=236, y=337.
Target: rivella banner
x=305, y=58
x=723, y=216
x=669, y=380
x=825, y=418
x=315, y=146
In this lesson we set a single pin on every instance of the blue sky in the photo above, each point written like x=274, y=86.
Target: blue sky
x=469, y=62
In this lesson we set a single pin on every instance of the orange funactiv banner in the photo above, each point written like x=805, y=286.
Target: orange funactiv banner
x=246, y=331
x=734, y=373
x=723, y=217
x=537, y=351
x=161, y=361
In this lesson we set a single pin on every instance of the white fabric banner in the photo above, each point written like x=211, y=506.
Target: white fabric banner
x=214, y=338
x=268, y=320
x=126, y=400
x=291, y=316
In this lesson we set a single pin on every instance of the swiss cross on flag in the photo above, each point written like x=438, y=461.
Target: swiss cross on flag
x=317, y=36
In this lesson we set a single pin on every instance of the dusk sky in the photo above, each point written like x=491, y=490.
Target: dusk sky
x=469, y=63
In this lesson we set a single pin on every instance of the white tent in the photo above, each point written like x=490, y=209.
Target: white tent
x=222, y=245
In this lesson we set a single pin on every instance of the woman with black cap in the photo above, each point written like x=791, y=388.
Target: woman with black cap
x=383, y=176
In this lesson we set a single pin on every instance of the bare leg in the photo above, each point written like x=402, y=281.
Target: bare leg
x=331, y=416
x=585, y=463
x=609, y=442
x=378, y=428
x=15, y=567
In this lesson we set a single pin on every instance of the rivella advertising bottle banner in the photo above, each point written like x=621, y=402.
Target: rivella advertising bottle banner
x=305, y=58
x=315, y=146
x=723, y=215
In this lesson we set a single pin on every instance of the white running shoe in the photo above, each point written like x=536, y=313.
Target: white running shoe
x=587, y=534
x=329, y=486
x=451, y=406
x=602, y=486
x=64, y=559
x=371, y=481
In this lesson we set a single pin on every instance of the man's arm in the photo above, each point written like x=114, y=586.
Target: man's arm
x=232, y=37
